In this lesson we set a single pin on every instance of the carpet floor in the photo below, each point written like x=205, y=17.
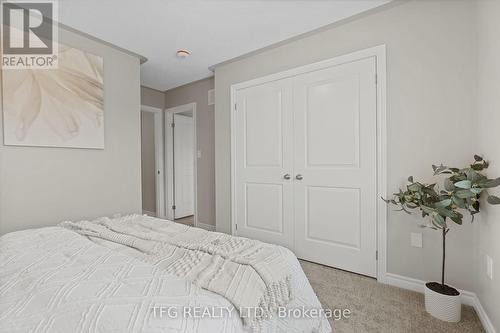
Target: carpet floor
x=376, y=307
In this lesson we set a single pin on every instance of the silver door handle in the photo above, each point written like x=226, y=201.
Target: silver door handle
x=299, y=177
x=287, y=176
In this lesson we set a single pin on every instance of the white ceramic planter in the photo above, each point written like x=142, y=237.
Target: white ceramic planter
x=444, y=307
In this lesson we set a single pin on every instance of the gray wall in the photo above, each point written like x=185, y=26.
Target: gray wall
x=43, y=186
x=152, y=97
x=198, y=92
x=489, y=138
x=148, y=167
x=430, y=49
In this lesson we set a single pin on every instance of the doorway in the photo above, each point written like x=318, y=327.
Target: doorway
x=181, y=164
x=152, y=182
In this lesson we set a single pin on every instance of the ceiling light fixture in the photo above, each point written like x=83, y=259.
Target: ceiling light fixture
x=183, y=53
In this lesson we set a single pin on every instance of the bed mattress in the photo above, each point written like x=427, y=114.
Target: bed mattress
x=55, y=280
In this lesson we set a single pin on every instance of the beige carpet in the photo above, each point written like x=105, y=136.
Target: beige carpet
x=376, y=307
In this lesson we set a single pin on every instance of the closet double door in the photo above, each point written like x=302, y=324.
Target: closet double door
x=305, y=164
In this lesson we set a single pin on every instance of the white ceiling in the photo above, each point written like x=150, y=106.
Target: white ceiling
x=213, y=30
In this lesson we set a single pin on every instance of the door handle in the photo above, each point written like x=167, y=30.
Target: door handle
x=299, y=177
x=287, y=176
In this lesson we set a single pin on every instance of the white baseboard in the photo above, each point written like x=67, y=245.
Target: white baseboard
x=205, y=226
x=483, y=316
x=468, y=297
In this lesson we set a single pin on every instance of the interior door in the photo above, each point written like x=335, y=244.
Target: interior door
x=183, y=166
x=262, y=126
x=335, y=166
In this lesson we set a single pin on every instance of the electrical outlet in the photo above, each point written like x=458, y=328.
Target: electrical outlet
x=489, y=267
x=416, y=239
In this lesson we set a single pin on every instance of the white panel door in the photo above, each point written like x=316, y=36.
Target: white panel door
x=183, y=166
x=335, y=165
x=262, y=126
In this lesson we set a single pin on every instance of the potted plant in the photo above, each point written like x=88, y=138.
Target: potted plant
x=461, y=193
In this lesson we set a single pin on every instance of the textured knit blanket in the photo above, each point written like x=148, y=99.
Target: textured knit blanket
x=252, y=275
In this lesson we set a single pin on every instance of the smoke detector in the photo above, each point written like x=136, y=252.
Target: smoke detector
x=183, y=53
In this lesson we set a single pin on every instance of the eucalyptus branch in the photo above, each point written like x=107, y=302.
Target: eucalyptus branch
x=462, y=190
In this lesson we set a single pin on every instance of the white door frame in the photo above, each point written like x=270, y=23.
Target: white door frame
x=379, y=52
x=169, y=158
x=159, y=158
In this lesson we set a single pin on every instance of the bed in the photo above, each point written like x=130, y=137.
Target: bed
x=71, y=278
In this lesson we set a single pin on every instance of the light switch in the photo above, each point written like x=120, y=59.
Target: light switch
x=416, y=239
x=489, y=267
x=198, y=153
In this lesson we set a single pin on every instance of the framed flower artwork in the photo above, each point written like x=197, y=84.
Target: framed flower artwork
x=61, y=107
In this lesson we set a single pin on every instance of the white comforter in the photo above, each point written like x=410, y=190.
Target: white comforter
x=249, y=273
x=54, y=280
